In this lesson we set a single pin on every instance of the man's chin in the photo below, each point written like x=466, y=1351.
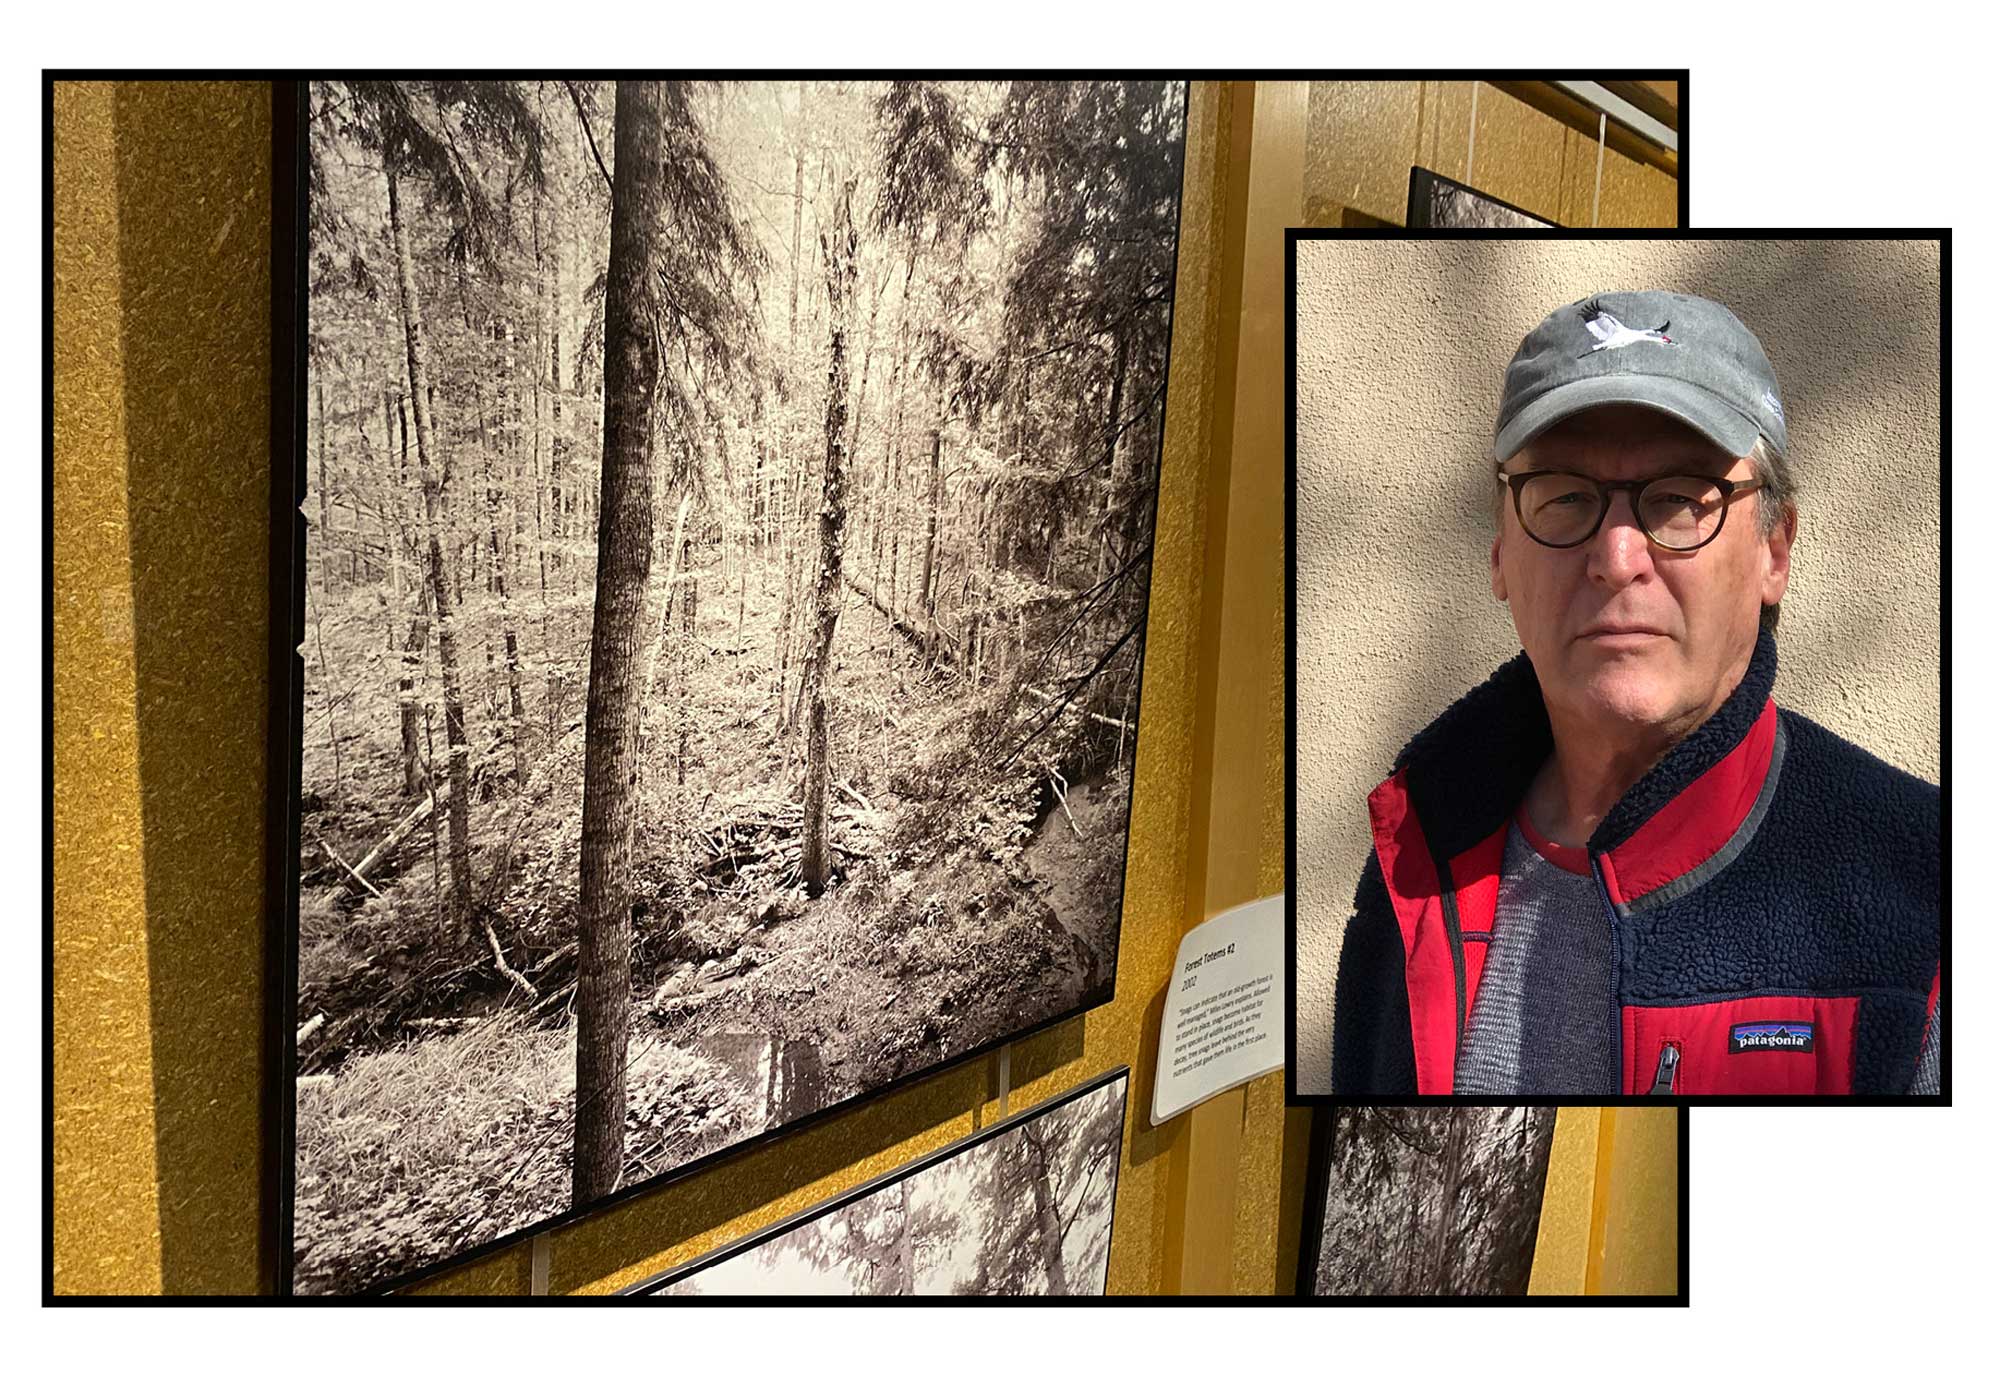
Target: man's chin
x=1627, y=695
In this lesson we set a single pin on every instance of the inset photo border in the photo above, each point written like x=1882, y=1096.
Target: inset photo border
x=1394, y=373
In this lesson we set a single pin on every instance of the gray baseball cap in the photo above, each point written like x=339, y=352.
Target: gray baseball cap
x=1683, y=355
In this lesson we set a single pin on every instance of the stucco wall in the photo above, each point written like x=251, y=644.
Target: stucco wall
x=1401, y=350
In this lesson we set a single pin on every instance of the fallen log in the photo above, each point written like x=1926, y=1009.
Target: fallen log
x=1119, y=725
x=551, y=957
x=358, y=877
x=927, y=634
x=500, y=961
x=1060, y=786
x=359, y=872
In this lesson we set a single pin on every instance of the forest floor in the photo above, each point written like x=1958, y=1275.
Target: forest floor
x=435, y=1096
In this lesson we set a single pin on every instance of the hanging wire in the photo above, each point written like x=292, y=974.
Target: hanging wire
x=1471, y=133
x=1597, y=192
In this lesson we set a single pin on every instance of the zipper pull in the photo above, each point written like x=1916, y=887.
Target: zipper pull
x=1663, y=1075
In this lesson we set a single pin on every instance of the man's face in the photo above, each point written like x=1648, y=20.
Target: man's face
x=1626, y=637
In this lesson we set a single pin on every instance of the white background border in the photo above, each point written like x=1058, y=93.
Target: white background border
x=1856, y=1236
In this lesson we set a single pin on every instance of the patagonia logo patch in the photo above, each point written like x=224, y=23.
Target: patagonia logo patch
x=1771, y=1035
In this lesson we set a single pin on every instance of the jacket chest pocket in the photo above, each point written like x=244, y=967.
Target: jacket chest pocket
x=1776, y=1045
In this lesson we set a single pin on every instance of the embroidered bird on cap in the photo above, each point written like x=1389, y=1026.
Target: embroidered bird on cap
x=1611, y=332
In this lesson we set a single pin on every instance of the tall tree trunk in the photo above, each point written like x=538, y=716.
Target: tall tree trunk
x=1048, y=1228
x=558, y=442
x=838, y=249
x=798, y=214
x=1113, y=432
x=512, y=646
x=611, y=719
x=906, y=1249
x=319, y=603
x=431, y=464
x=789, y=537
x=927, y=589
x=1447, y=1218
x=408, y=708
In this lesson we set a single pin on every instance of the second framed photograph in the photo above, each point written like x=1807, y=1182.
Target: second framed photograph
x=1022, y=1208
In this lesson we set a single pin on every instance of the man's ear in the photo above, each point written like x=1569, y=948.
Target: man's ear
x=1499, y=577
x=1778, y=551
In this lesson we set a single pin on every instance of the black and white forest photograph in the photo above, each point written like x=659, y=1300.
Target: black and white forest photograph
x=1022, y=1210
x=730, y=514
x=1429, y=1201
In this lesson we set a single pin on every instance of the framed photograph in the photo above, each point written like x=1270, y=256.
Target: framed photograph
x=1021, y=1208
x=727, y=532
x=1438, y=202
x=1424, y=1201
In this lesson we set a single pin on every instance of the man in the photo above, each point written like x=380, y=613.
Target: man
x=1616, y=866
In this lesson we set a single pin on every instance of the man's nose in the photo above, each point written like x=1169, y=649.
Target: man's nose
x=1619, y=551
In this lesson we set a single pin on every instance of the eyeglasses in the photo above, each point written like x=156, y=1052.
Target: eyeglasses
x=1680, y=512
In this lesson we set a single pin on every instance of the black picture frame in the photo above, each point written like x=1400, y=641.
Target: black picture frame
x=290, y=402
x=1121, y=1076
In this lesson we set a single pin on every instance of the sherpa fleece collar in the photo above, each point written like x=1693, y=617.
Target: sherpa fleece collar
x=1467, y=771
x=1440, y=826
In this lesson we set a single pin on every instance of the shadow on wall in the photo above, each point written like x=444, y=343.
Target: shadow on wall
x=1847, y=311
x=194, y=167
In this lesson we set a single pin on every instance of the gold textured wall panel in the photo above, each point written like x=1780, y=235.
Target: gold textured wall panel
x=1245, y=1170
x=1517, y=151
x=1562, y=1246
x=1642, y=1186
x=103, y=1107
x=187, y=166
x=1364, y=136
x=1633, y=195
x=1611, y=1208
x=1361, y=139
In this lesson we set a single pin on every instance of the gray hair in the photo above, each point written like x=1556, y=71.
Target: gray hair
x=1776, y=499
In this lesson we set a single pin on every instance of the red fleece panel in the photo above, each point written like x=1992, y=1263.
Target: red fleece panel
x=1476, y=876
x=1707, y=1066
x=1693, y=826
x=1475, y=969
x=1412, y=880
